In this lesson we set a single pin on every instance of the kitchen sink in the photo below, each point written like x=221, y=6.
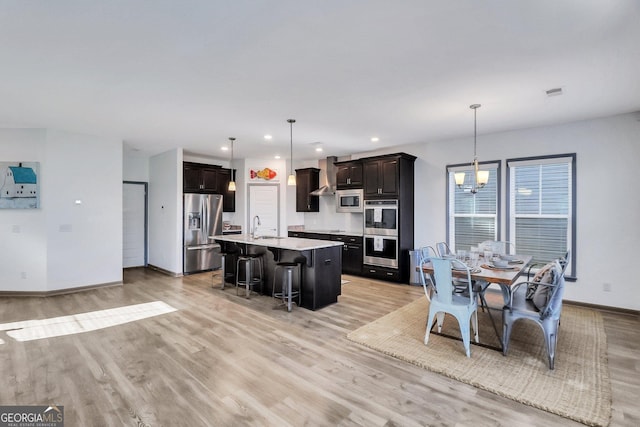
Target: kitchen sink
x=269, y=237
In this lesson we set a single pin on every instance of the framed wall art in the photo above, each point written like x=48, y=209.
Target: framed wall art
x=19, y=185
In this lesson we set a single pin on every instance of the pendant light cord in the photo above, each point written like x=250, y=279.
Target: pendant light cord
x=291, y=122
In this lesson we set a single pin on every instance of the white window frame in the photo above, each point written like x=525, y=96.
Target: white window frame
x=570, y=161
x=451, y=191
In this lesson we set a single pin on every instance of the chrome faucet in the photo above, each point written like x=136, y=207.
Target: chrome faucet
x=255, y=227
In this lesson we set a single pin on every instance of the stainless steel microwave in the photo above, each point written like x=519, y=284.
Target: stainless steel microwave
x=349, y=200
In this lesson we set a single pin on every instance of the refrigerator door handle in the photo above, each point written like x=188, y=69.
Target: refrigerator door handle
x=203, y=225
x=201, y=247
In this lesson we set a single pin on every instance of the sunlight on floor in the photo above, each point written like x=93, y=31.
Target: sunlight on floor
x=29, y=330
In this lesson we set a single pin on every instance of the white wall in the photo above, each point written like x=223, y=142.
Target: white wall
x=62, y=244
x=165, y=211
x=608, y=230
x=135, y=168
x=89, y=170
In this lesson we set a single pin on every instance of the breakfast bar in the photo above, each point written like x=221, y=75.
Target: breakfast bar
x=321, y=263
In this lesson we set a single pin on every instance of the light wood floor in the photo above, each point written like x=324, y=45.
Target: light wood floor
x=223, y=360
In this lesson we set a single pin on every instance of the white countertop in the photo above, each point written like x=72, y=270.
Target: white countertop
x=291, y=243
x=301, y=229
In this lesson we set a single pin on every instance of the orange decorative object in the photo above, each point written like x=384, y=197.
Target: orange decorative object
x=266, y=174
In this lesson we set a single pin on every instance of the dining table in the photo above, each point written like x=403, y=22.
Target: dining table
x=487, y=272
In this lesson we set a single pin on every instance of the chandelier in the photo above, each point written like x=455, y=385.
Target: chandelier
x=480, y=178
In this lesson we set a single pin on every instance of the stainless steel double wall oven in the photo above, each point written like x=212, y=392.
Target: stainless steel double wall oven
x=381, y=233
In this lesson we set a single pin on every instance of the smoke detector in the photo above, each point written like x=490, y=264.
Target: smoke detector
x=556, y=91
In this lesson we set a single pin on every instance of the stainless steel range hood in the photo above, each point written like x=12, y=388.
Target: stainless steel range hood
x=329, y=188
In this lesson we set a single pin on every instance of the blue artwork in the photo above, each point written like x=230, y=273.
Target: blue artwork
x=19, y=187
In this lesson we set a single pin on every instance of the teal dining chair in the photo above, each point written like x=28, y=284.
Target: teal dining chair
x=464, y=307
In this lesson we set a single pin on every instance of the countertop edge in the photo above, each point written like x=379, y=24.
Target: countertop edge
x=291, y=243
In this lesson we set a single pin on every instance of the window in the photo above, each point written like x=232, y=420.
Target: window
x=541, y=210
x=472, y=218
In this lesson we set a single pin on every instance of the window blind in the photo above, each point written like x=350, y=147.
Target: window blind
x=541, y=201
x=472, y=218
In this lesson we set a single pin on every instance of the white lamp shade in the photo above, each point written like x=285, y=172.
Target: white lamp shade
x=232, y=186
x=291, y=180
x=459, y=177
x=483, y=177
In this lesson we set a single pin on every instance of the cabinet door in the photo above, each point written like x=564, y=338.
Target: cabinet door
x=210, y=180
x=389, y=178
x=228, y=197
x=342, y=177
x=191, y=179
x=371, y=178
x=352, y=259
x=355, y=175
x=307, y=180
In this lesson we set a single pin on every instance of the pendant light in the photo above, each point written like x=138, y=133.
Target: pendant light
x=292, y=178
x=232, y=182
x=480, y=178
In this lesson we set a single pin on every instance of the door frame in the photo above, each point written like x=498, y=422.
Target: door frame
x=146, y=217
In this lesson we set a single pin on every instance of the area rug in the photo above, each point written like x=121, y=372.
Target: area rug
x=578, y=388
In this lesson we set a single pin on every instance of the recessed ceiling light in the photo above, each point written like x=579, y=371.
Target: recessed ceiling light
x=277, y=156
x=268, y=137
x=319, y=149
x=375, y=139
x=224, y=148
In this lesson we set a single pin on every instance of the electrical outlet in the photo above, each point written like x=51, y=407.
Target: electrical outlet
x=15, y=229
x=23, y=275
x=606, y=287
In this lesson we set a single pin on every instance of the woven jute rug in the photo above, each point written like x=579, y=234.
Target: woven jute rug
x=578, y=388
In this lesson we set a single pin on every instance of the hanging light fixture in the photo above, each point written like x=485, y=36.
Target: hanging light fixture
x=480, y=178
x=232, y=183
x=292, y=178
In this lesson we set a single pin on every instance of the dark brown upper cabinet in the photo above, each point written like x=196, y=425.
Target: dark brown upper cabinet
x=209, y=179
x=348, y=174
x=383, y=175
x=307, y=180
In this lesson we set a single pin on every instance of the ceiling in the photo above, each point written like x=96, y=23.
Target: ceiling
x=163, y=74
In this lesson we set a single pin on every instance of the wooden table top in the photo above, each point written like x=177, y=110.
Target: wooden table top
x=503, y=277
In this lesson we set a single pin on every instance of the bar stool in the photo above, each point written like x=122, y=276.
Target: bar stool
x=286, y=292
x=249, y=261
x=226, y=275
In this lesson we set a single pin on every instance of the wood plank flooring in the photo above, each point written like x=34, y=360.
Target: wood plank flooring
x=223, y=360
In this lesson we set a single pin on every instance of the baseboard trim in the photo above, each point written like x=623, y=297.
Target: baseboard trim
x=163, y=271
x=58, y=291
x=617, y=310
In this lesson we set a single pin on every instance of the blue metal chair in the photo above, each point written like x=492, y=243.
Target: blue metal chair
x=425, y=257
x=546, y=315
x=464, y=307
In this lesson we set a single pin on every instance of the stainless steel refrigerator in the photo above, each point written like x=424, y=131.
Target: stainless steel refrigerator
x=202, y=218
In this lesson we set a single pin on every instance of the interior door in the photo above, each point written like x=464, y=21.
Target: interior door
x=134, y=224
x=264, y=201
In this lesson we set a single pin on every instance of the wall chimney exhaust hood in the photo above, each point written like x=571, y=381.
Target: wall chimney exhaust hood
x=329, y=189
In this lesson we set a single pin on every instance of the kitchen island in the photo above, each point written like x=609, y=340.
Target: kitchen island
x=321, y=262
